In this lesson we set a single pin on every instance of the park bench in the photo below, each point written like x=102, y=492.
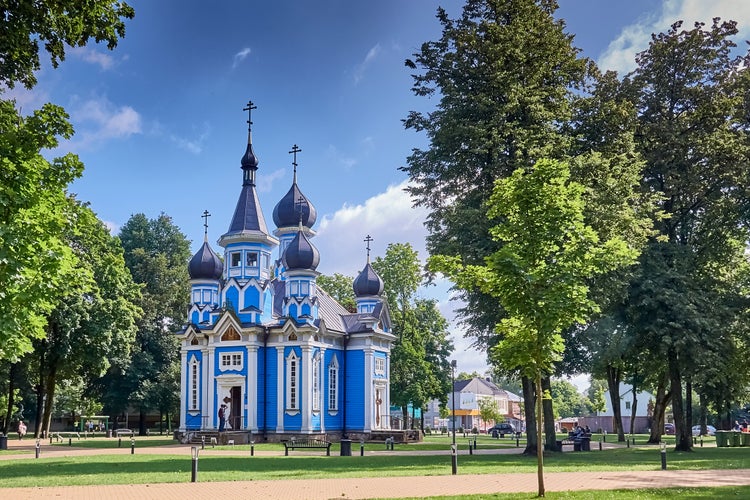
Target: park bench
x=582, y=443
x=123, y=432
x=306, y=443
x=59, y=436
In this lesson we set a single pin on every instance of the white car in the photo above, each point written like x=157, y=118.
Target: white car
x=710, y=430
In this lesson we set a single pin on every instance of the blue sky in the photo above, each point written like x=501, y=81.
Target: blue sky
x=160, y=127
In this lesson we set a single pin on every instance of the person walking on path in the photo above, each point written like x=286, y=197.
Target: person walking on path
x=21, y=430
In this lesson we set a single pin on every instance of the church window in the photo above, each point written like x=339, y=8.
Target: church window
x=251, y=259
x=333, y=385
x=234, y=259
x=292, y=383
x=294, y=288
x=304, y=288
x=231, y=361
x=292, y=336
x=316, y=383
x=194, y=341
x=379, y=366
x=194, y=384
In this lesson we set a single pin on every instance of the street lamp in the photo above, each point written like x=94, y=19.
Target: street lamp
x=194, y=453
x=454, y=451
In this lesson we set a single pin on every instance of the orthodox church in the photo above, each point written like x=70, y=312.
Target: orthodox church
x=264, y=340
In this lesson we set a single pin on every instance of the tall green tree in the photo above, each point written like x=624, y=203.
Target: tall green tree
x=339, y=287
x=35, y=260
x=505, y=73
x=94, y=324
x=157, y=254
x=691, y=99
x=420, y=366
x=568, y=402
x=55, y=23
x=540, y=273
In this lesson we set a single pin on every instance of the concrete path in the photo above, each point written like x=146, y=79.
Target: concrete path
x=362, y=488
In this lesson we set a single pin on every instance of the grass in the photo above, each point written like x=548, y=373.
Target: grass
x=636, y=494
x=127, y=469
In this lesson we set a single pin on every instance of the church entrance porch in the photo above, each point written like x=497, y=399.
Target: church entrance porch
x=230, y=392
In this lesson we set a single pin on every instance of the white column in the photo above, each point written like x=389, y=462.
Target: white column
x=387, y=424
x=306, y=395
x=252, y=388
x=369, y=391
x=209, y=416
x=323, y=389
x=280, y=387
x=184, y=395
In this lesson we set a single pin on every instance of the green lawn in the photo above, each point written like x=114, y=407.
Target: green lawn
x=126, y=468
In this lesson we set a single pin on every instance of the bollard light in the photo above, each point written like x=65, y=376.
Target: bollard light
x=38, y=448
x=119, y=442
x=252, y=448
x=203, y=442
x=701, y=440
x=454, y=460
x=194, y=450
x=132, y=445
x=361, y=447
x=663, y=446
x=600, y=443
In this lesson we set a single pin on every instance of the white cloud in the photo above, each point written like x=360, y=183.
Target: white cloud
x=112, y=227
x=88, y=54
x=388, y=217
x=194, y=146
x=359, y=71
x=98, y=120
x=620, y=55
x=240, y=56
x=265, y=181
x=333, y=155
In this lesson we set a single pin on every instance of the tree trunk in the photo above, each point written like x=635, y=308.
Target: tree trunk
x=11, y=397
x=550, y=437
x=689, y=404
x=40, y=397
x=49, y=399
x=539, y=452
x=660, y=406
x=141, y=421
x=703, y=416
x=634, y=405
x=529, y=412
x=683, y=439
x=614, y=376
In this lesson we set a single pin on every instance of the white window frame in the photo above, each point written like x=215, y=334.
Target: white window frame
x=316, y=383
x=247, y=259
x=379, y=365
x=292, y=383
x=333, y=385
x=194, y=375
x=235, y=256
x=230, y=361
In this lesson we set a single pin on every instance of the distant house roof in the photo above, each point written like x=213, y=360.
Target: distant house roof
x=477, y=385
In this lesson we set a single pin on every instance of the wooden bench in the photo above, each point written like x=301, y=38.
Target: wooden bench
x=306, y=443
x=124, y=432
x=59, y=436
x=577, y=443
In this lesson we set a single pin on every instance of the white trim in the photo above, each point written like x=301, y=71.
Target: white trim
x=333, y=386
x=292, y=399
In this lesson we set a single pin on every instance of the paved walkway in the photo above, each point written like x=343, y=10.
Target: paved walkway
x=362, y=488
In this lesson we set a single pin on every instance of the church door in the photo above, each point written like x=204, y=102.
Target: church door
x=236, y=413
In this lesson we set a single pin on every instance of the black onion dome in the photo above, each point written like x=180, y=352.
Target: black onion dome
x=301, y=254
x=249, y=159
x=368, y=282
x=205, y=264
x=287, y=211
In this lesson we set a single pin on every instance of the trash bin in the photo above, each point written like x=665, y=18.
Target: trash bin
x=736, y=438
x=346, y=447
x=577, y=445
x=722, y=439
x=109, y=433
x=3, y=442
x=585, y=444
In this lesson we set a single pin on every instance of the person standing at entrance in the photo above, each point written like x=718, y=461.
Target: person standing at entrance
x=222, y=417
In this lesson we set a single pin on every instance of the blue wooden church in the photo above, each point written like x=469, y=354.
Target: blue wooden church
x=263, y=339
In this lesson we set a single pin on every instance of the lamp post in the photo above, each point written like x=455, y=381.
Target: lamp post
x=194, y=453
x=454, y=451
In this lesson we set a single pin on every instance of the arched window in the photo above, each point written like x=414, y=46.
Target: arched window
x=333, y=384
x=292, y=382
x=194, y=384
x=316, y=382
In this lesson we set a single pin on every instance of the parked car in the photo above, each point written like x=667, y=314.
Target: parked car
x=669, y=429
x=710, y=430
x=502, y=429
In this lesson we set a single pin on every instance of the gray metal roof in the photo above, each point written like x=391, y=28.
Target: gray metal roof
x=248, y=215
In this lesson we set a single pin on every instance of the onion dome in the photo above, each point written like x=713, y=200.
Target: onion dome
x=205, y=264
x=368, y=282
x=301, y=254
x=293, y=208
